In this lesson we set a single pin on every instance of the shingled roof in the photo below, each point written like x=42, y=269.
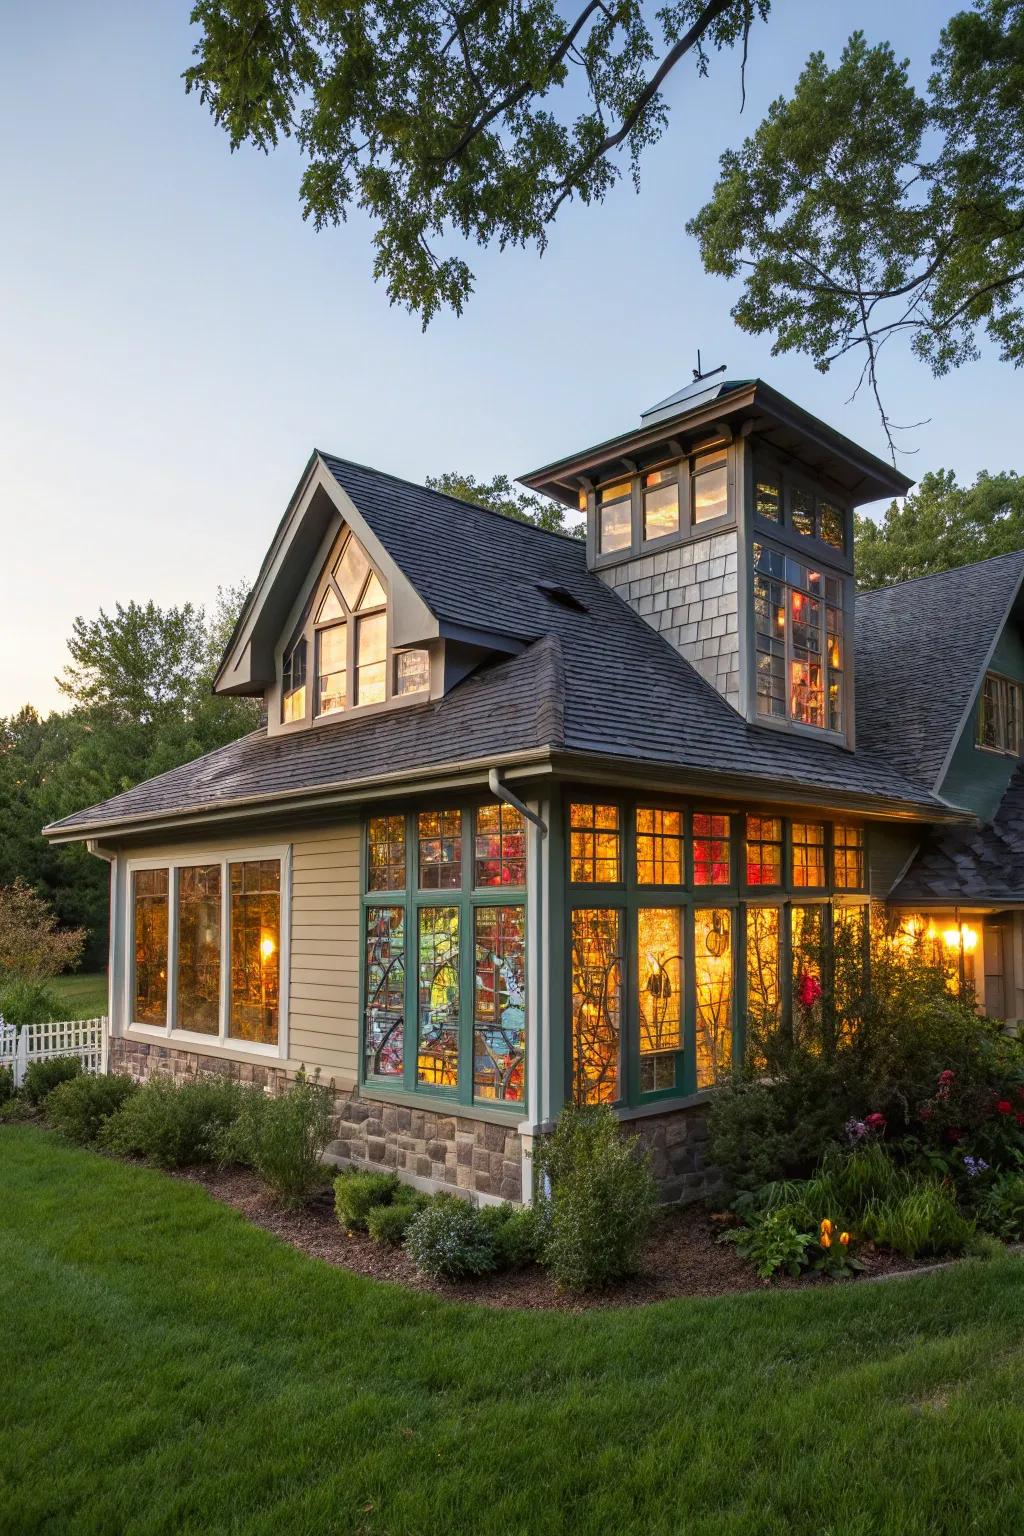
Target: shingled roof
x=592, y=680
x=920, y=652
x=973, y=865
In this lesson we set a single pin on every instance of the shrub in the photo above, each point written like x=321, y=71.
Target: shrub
x=1001, y=1208
x=601, y=1202
x=773, y=1241
x=32, y=945
x=357, y=1192
x=30, y=1002
x=6, y=1084
x=923, y=1221
x=517, y=1233
x=80, y=1107
x=173, y=1126
x=451, y=1240
x=283, y=1138
x=759, y=1133
x=42, y=1077
x=389, y=1224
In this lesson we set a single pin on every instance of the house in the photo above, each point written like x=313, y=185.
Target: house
x=534, y=818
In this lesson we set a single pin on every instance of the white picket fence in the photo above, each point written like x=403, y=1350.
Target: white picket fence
x=84, y=1038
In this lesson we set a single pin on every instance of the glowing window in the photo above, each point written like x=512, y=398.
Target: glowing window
x=712, y=959
x=331, y=668
x=709, y=487
x=808, y=854
x=499, y=1004
x=594, y=844
x=372, y=659
x=764, y=996
x=440, y=850
x=661, y=502
x=255, y=950
x=798, y=623
x=149, y=970
x=437, y=1048
x=384, y=1033
x=659, y=981
x=768, y=500
x=198, y=997
x=615, y=517
x=386, y=853
x=711, y=853
x=293, y=683
x=764, y=850
x=499, y=846
x=659, y=847
x=848, y=857
x=596, y=1004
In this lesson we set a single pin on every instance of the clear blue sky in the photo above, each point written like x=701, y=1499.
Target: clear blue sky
x=175, y=340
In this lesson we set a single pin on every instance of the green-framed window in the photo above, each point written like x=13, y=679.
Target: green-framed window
x=443, y=971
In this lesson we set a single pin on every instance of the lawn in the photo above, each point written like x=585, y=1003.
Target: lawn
x=169, y=1368
x=85, y=995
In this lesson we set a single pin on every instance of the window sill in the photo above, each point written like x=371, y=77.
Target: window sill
x=435, y=1105
x=212, y=1044
x=665, y=1106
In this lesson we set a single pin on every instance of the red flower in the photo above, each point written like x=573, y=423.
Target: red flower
x=808, y=990
x=947, y=1076
x=1004, y=1107
x=875, y=1122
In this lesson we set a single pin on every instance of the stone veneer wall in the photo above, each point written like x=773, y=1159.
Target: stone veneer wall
x=689, y=594
x=475, y=1157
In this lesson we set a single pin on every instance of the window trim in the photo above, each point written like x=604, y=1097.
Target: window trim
x=1004, y=684
x=222, y=1041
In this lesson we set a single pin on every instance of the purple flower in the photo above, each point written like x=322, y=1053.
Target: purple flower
x=856, y=1130
x=974, y=1166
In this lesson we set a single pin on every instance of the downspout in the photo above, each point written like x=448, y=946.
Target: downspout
x=94, y=847
x=501, y=792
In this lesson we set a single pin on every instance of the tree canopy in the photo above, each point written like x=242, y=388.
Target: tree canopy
x=502, y=495
x=940, y=525
x=861, y=211
x=445, y=119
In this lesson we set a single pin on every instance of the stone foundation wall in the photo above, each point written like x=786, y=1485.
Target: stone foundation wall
x=474, y=1157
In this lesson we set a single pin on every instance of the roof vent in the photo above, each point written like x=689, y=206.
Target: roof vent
x=556, y=593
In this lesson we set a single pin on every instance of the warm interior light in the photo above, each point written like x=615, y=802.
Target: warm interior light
x=965, y=935
x=267, y=947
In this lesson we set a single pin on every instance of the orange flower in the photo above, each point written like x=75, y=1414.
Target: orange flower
x=826, y=1241
x=826, y=1227
x=844, y=1238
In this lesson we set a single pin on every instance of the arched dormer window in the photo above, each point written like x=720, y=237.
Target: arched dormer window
x=344, y=639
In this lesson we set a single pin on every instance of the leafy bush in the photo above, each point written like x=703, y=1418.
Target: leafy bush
x=924, y=1221
x=32, y=945
x=80, y=1107
x=451, y=1240
x=13, y=1111
x=30, y=1002
x=771, y=1242
x=759, y=1133
x=6, y=1084
x=389, y=1224
x=601, y=1202
x=173, y=1126
x=517, y=1233
x=356, y=1192
x=42, y=1077
x=283, y=1138
x=1001, y=1208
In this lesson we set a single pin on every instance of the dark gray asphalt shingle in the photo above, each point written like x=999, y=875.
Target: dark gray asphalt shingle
x=596, y=682
x=919, y=651
x=966, y=865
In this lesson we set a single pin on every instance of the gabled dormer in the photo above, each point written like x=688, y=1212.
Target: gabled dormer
x=726, y=521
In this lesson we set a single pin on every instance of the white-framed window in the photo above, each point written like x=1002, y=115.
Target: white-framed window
x=1001, y=715
x=207, y=948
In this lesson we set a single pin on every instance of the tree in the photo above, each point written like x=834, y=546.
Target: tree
x=940, y=525
x=501, y=495
x=861, y=211
x=32, y=945
x=451, y=118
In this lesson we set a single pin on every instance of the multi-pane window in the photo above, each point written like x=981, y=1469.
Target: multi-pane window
x=764, y=850
x=384, y=1014
x=595, y=856
x=499, y=846
x=808, y=844
x=440, y=850
x=848, y=857
x=799, y=628
x=768, y=500
x=596, y=1004
x=659, y=980
x=814, y=517
x=499, y=1004
x=709, y=487
x=255, y=950
x=412, y=672
x=293, y=683
x=615, y=517
x=711, y=853
x=1001, y=715
x=444, y=974
x=199, y=919
x=659, y=847
x=385, y=841
x=713, y=979
x=661, y=502
x=764, y=995
x=149, y=969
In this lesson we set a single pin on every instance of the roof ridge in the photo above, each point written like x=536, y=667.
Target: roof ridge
x=934, y=575
x=459, y=501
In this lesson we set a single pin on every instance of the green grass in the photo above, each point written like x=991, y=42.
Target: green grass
x=85, y=995
x=167, y=1367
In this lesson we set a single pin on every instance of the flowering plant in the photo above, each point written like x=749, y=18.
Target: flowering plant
x=836, y=1256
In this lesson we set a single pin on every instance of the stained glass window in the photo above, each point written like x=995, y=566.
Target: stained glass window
x=661, y=502
x=293, y=683
x=440, y=850
x=437, y=1052
x=808, y=854
x=615, y=517
x=594, y=844
x=412, y=672
x=712, y=959
x=198, y=995
x=659, y=980
x=386, y=850
x=596, y=1004
x=499, y=846
x=149, y=984
x=384, y=1035
x=711, y=861
x=659, y=847
x=332, y=654
x=764, y=850
x=255, y=950
x=499, y=1004
x=709, y=487
x=848, y=857
x=764, y=997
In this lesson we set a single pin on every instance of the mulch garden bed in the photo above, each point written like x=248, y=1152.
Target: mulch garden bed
x=683, y=1257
